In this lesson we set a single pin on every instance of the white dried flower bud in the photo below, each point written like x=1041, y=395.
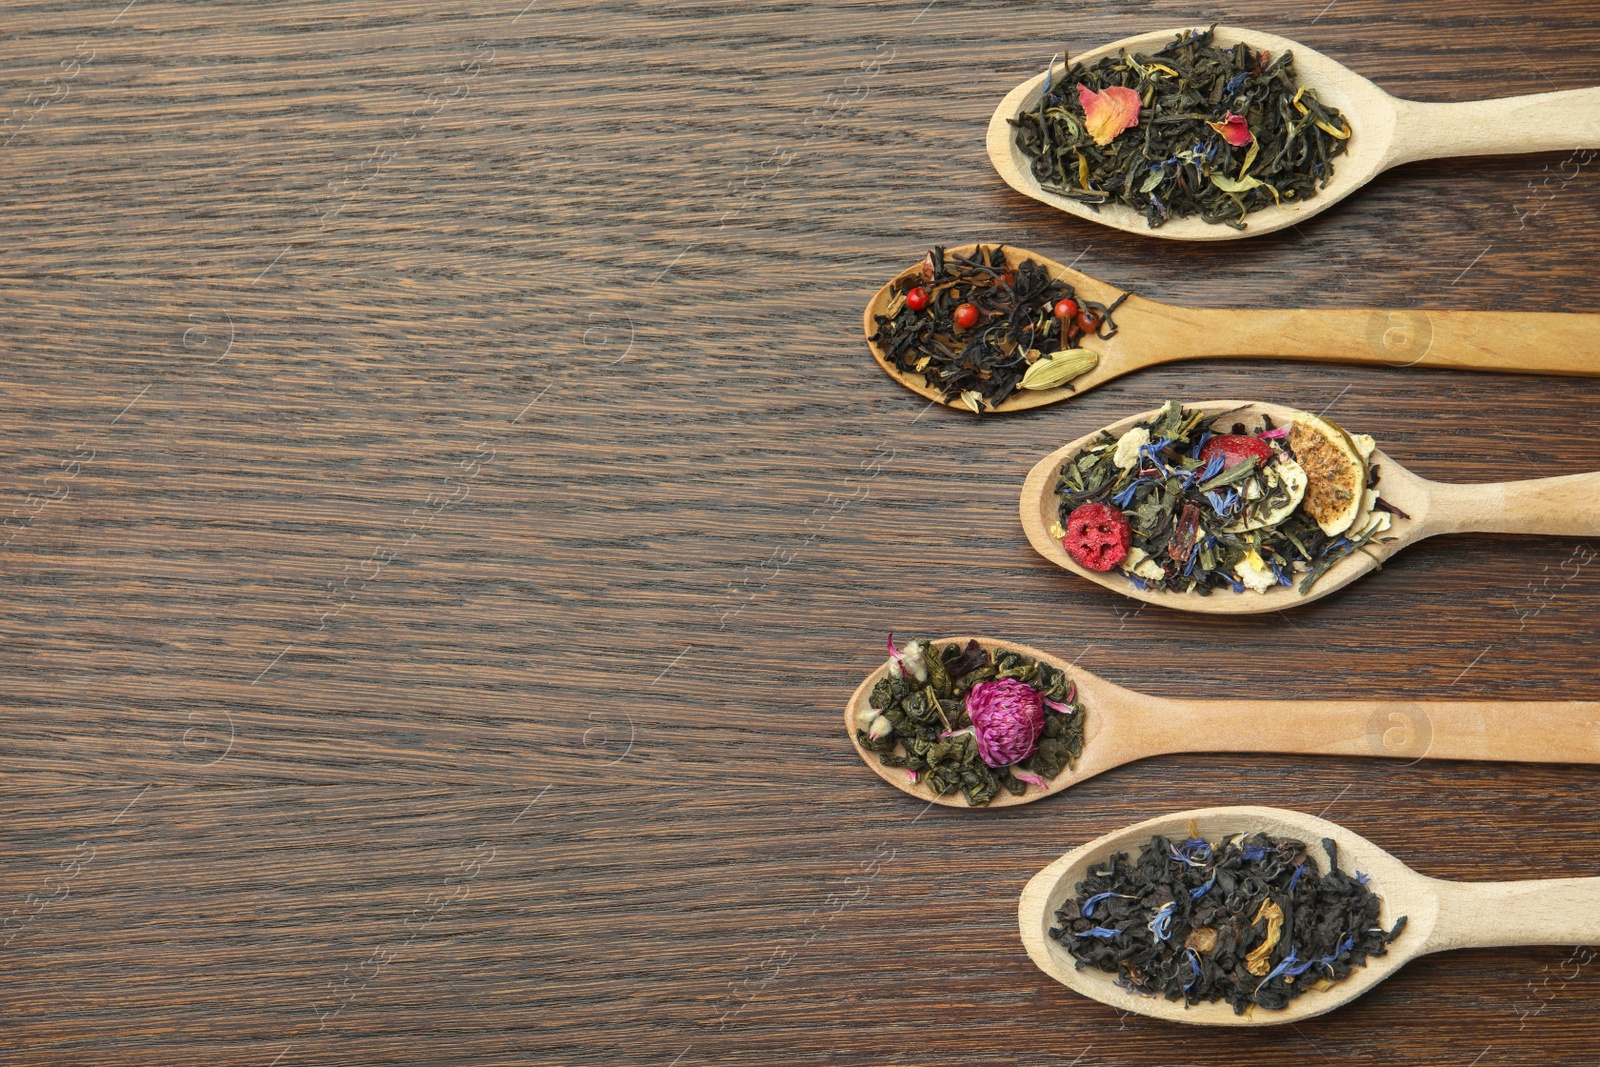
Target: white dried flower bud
x=914, y=663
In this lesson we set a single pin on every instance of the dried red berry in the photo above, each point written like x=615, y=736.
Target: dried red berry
x=917, y=299
x=1235, y=448
x=1088, y=320
x=966, y=317
x=1098, y=536
x=1066, y=308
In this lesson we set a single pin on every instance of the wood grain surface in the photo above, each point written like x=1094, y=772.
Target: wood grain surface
x=448, y=501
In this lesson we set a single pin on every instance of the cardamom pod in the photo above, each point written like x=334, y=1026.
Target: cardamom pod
x=1059, y=368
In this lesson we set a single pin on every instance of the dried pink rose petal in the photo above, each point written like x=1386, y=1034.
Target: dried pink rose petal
x=1234, y=129
x=1007, y=719
x=1108, y=112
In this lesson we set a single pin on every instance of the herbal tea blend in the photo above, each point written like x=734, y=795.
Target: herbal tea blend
x=970, y=719
x=1251, y=921
x=1192, y=130
x=978, y=329
x=1189, y=502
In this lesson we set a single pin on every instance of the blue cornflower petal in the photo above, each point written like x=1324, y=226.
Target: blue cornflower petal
x=1200, y=444
x=1089, y=905
x=1253, y=853
x=1224, y=502
x=1124, y=498
x=1362, y=879
x=1098, y=931
x=1281, y=969
x=1161, y=925
x=1298, y=871
x=1194, y=968
x=1234, y=82
x=1200, y=891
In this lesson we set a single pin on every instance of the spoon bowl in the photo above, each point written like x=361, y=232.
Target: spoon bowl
x=1385, y=131
x=1439, y=914
x=1566, y=505
x=1151, y=333
x=1122, y=726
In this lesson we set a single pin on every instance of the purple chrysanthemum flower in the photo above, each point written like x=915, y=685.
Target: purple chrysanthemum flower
x=1007, y=719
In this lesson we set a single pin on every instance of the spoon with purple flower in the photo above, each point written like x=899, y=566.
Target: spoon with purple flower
x=974, y=722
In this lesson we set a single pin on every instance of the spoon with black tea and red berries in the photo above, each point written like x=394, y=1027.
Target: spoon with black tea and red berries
x=1121, y=726
x=1438, y=914
x=1404, y=509
x=916, y=320
x=1384, y=131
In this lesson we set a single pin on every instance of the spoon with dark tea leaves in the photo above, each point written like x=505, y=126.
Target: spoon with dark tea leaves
x=1439, y=914
x=1384, y=132
x=1415, y=508
x=1147, y=333
x=1121, y=726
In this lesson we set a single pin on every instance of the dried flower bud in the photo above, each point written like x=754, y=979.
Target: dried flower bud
x=865, y=715
x=914, y=663
x=879, y=728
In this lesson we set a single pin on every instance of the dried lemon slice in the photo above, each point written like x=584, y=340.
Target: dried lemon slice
x=1336, y=472
x=1285, y=474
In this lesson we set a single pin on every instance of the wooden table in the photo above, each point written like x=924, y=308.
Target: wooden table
x=450, y=501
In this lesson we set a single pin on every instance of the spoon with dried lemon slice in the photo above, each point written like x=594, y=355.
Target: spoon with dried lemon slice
x=992, y=328
x=1237, y=507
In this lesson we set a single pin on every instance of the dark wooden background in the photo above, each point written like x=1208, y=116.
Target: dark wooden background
x=448, y=502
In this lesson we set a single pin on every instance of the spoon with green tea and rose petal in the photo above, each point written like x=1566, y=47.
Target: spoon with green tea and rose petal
x=1565, y=506
x=1386, y=132
x=1439, y=914
x=1121, y=726
x=1149, y=333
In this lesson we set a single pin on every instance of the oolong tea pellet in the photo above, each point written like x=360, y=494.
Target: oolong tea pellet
x=1252, y=921
x=1194, y=129
x=964, y=718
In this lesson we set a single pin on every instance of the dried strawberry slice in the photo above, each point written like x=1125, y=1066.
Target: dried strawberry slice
x=1097, y=536
x=1235, y=448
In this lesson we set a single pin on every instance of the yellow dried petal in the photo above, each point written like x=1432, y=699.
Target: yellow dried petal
x=1257, y=961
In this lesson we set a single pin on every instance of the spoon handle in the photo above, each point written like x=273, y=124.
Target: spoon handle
x=1567, y=506
x=1553, y=911
x=1517, y=732
x=1515, y=341
x=1543, y=122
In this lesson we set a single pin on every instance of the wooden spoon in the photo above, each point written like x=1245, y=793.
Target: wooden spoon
x=1439, y=914
x=1568, y=505
x=1149, y=333
x=1386, y=131
x=1122, y=726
